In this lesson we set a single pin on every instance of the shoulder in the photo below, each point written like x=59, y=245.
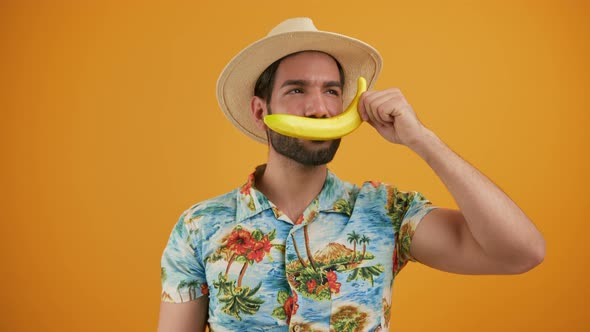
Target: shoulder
x=396, y=202
x=216, y=209
x=377, y=190
x=389, y=191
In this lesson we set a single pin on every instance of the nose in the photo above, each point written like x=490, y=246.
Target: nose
x=316, y=106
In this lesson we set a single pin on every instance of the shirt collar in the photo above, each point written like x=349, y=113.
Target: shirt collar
x=336, y=196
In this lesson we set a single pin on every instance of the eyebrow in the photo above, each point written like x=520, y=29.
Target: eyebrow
x=304, y=83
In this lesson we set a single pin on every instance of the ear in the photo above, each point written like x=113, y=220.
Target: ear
x=258, y=110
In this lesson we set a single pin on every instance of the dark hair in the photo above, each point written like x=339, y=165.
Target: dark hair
x=266, y=80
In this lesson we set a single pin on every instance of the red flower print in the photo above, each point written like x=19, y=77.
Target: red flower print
x=204, y=289
x=375, y=184
x=256, y=255
x=239, y=241
x=331, y=275
x=258, y=249
x=332, y=282
x=291, y=306
x=311, y=285
x=245, y=190
x=266, y=245
x=299, y=220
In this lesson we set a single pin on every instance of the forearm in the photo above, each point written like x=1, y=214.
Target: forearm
x=496, y=223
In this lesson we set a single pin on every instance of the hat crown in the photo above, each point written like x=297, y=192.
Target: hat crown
x=293, y=25
x=236, y=83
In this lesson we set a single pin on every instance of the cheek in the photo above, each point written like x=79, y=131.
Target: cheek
x=294, y=106
x=335, y=106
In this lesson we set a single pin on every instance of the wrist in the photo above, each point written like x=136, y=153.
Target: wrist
x=425, y=143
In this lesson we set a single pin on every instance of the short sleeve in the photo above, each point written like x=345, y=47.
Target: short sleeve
x=412, y=208
x=182, y=270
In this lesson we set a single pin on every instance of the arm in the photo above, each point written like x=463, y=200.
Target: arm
x=184, y=317
x=490, y=234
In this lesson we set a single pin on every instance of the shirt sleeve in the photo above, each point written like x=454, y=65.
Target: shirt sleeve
x=412, y=208
x=182, y=270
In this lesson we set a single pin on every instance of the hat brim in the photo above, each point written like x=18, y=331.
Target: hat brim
x=235, y=86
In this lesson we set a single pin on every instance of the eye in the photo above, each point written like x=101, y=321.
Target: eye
x=334, y=92
x=294, y=91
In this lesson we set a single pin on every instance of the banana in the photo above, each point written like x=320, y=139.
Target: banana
x=320, y=129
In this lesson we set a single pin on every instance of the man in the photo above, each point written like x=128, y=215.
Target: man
x=297, y=249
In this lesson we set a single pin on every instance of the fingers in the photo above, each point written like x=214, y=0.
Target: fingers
x=381, y=107
x=365, y=115
x=370, y=101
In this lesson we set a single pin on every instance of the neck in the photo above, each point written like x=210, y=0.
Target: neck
x=291, y=186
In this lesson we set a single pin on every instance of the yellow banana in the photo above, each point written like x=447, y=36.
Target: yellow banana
x=320, y=129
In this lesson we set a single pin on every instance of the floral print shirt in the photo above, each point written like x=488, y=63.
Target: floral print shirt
x=330, y=270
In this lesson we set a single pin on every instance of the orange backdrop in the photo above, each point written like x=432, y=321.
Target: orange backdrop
x=110, y=129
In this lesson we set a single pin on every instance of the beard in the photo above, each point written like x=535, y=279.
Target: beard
x=294, y=149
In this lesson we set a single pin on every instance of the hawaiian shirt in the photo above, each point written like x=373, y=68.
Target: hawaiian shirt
x=330, y=270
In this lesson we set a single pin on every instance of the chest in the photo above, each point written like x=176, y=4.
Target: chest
x=331, y=264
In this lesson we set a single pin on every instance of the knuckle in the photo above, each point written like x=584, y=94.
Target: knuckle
x=382, y=109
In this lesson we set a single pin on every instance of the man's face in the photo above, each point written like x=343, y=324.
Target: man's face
x=306, y=84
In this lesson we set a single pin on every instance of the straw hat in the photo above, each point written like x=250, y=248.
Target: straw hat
x=235, y=86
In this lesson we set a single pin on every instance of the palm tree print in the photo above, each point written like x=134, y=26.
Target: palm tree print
x=191, y=286
x=180, y=286
x=343, y=205
x=242, y=272
x=223, y=285
x=237, y=300
x=318, y=279
x=309, y=255
x=248, y=248
x=366, y=273
x=297, y=251
x=364, y=240
x=353, y=238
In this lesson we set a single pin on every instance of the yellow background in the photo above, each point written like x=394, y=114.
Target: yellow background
x=110, y=128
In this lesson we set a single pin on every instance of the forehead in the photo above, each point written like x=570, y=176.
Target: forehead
x=312, y=66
